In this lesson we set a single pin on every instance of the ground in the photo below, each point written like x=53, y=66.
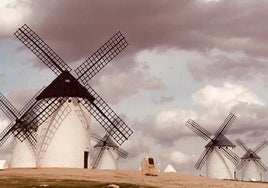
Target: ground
x=67, y=177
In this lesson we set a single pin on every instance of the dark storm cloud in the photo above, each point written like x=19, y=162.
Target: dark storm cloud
x=77, y=28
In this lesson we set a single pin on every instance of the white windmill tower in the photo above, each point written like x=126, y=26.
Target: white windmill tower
x=251, y=165
x=218, y=155
x=106, y=153
x=60, y=113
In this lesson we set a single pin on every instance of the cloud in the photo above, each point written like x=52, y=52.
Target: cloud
x=102, y=20
x=12, y=13
x=213, y=103
x=167, y=126
x=163, y=99
x=2, y=76
x=211, y=106
x=114, y=84
x=180, y=158
x=76, y=30
x=136, y=146
x=19, y=98
x=225, y=97
x=219, y=65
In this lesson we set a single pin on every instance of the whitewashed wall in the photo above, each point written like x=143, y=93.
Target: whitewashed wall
x=219, y=166
x=251, y=172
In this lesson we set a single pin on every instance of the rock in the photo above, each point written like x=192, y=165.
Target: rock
x=113, y=186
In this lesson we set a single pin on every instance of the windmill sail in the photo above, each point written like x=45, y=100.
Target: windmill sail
x=251, y=163
x=104, y=149
x=76, y=86
x=218, y=145
x=101, y=57
x=66, y=88
x=16, y=117
x=30, y=39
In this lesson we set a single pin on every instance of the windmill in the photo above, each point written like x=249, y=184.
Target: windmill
x=65, y=147
x=218, y=155
x=18, y=128
x=251, y=164
x=106, y=153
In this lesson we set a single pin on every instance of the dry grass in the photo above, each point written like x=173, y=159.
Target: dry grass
x=49, y=183
x=64, y=177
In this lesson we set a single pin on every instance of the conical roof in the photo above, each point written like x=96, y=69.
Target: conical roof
x=220, y=141
x=65, y=85
x=250, y=154
x=169, y=168
x=106, y=141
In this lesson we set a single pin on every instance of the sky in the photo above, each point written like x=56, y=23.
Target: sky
x=198, y=59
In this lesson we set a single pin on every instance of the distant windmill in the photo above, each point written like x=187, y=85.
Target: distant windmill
x=20, y=130
x=106, y=153
x=218, y=155
x=62, y=108
x=251, y=164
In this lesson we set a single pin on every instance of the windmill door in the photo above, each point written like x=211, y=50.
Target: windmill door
x=86, y=154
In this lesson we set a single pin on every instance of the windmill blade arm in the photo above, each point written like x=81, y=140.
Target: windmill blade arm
x=242, y=144
x=30, y=39
x=230, y=155
x=6, y=133
x=110, y=121
x=30, y=121
x=262, y=166
x=9, y=110
x=122, y=153
x=101, y=57
x=203, y=157
x=97, y=158
x=95, y=137
x=225, y=125
x=260, y=146
x=242, y=163
x=197, y=129
x=32, y=138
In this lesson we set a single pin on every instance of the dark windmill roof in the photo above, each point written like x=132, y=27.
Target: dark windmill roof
x=250, y=154
x=65, y=85
x=106, y=141
x=220, y=141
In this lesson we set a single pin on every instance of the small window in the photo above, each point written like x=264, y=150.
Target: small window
x=67, y=80
x=151, y=161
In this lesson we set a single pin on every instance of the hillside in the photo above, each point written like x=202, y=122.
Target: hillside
x=167, y=180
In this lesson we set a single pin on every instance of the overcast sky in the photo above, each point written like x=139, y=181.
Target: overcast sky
x=198, y=59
